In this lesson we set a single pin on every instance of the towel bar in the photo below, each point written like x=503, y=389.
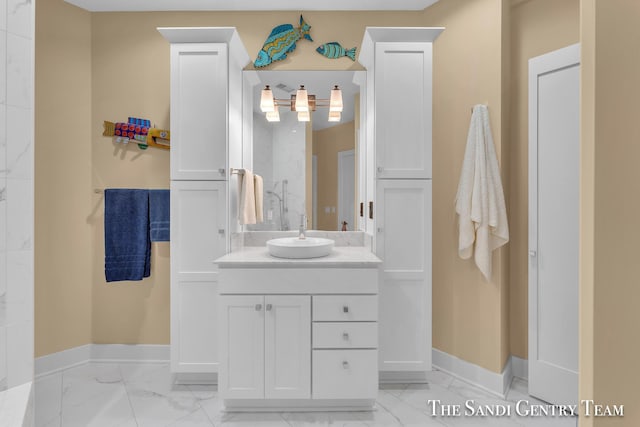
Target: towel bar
x=236, y=171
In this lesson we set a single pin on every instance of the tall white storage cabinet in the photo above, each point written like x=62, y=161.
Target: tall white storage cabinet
x=206, y=90
x=399, y=69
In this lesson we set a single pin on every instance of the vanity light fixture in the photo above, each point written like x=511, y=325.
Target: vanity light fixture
x=335, y=103
x=303, y=103
x=304, y=116
x=302, y=100
x=334, y=116
x=266, y=100
x=273, y=116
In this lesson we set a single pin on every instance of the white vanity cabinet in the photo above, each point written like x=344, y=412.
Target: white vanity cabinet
x=198, y=223
x=403, y=110
x=399, y=82
x=265, y=342
x=199, y=111
x=404, y=243
x=206, y=66
x=298, y=334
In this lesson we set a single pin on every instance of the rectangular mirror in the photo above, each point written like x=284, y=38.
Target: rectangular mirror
x=308, y=167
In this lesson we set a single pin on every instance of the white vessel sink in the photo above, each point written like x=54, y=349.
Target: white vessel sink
x=294, y=247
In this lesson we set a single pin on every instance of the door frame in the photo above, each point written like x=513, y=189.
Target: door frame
x=341, y=161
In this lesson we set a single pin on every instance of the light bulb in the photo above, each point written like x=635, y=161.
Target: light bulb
x=266, y=100
x=335, y=103
x=302, y=100
x=273, y=116
x=304, y=116
x=334, y=116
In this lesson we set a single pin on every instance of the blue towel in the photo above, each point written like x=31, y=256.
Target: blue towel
x=159, y=215
x=126, y=235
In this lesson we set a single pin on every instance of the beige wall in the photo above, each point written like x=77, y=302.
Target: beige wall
x=537, y=27
x=469, y=313
x=117, y=65
x=326, y=145
x=129, y=79
x=610, y=208
x=64, y=203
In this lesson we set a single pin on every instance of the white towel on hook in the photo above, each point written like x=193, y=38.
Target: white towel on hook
x=258, y=190
x=480, y=202
x=246, y=198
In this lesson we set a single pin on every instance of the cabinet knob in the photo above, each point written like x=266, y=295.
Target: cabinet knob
x=220, y=230
x=345, y=309
x=345, y=365
x=345, y=336
x=258, y=307
x=269, y=307
x=533, y=253
x=380, y=169
x=221, y=170
x=379, y=229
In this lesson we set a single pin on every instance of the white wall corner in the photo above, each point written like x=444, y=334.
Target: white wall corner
x=494, y=383
x=520, y=367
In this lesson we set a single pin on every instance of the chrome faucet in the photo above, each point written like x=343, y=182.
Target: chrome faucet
x=303, y=227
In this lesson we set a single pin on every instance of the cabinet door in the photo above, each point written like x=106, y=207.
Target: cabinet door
x=241, y=323
x=198, y=236
x=403, y=242
x=199, y=111
x=403, y=110
x=288, y=347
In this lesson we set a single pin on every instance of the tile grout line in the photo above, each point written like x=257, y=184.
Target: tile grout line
x=126, y=390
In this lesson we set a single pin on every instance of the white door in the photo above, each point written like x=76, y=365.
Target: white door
x=198, y=236
x=554, y=157
x=287, y=352
x=347, y=189
x=199, y=111
x=404, y=244
x=241, y=326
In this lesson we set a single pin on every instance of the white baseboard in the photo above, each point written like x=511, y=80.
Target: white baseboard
x=121, y=353
x=520, y=367
x=148, y=353
x=478, y=376
x=56, y=362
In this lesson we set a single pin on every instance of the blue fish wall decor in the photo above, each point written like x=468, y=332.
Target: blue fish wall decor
x=281, y=41
x=334, y=50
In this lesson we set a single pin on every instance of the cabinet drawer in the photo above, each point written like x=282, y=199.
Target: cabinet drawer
x=345, y=335
x=345, y=308
x=345, y=374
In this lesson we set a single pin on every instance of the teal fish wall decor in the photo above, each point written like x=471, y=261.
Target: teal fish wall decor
x=281, y=41
x=334, y=50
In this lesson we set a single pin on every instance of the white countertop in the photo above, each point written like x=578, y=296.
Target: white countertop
x=340, y=257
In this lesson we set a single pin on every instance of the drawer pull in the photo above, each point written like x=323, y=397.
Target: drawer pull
x=345, y=309
x=269, y=307
x=345, y=365
x=258, y=307
x=221, y=171
x=345, y=336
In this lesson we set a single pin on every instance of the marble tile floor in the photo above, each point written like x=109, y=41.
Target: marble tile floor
x=141, y=395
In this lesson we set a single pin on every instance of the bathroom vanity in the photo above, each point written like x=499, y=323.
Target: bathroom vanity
x=298, y=334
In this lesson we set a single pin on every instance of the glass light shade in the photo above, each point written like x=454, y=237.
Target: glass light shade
x=273, y=116
x=302, y=101
x=266, y=100
x=304, y=116
x=334, y=116
x=335, y=103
